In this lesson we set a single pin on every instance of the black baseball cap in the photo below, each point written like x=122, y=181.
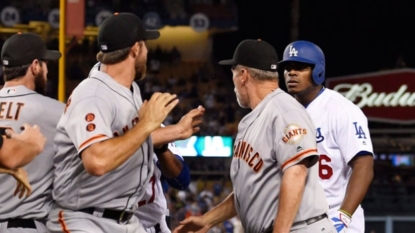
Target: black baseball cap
x=256, y=54
x=122, y=30
x=22, y=48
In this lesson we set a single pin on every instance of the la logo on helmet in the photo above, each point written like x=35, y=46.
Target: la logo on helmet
x=293, y=51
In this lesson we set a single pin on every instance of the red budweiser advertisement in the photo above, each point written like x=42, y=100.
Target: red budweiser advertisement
x=387, y=96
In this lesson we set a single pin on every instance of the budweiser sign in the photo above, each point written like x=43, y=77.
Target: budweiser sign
x=383, y=96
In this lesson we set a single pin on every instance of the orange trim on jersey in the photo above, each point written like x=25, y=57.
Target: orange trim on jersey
x=62, y=222
x=99, y=136
x=298, y=156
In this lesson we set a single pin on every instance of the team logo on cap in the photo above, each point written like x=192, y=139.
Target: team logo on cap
x=5, y=62
x=293, y=51
x=273, y=67
x=293, y=134
x=104, y=47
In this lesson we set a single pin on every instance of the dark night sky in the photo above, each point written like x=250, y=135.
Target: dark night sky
x=356, y=36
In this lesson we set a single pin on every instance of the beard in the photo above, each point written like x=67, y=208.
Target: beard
x=40, y=83
x=140, y=69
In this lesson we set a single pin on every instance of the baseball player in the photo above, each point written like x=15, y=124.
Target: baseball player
x=152, y=211
x=343, y=138
x=274, y=166
x=104, y=156
x=22, y=101
x=25, y=146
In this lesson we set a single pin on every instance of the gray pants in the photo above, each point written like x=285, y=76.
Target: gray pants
x=65, y=221
x=322, y=226
x=40, y=228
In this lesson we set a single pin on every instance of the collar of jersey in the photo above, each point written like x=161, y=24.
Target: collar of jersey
x=319, y=93
x=17, y=90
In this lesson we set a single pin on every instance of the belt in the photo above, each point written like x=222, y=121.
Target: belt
x=18, y=222
x=311, y=220
x=308, y=222
x=120, y=216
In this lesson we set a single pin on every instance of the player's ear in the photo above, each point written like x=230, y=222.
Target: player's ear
x=135, y=49
x=35, y=67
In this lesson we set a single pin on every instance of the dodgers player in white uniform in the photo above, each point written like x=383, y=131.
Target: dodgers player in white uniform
x=104, y=157
x=22, y=101
x=274, y=169
x=343, y=138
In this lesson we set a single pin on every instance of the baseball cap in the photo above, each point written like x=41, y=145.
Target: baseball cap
x=256, y=54
x=122, y=30
x=22, y=48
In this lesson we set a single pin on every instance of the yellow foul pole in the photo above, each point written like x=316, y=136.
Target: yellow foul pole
x=61, y=85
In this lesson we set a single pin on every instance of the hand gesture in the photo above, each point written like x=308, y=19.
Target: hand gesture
x=22, y=181
x=341, y=222
x=155, y=110
x=31, y=136
x=22, y=185
x=189, y=124
x=194, y=224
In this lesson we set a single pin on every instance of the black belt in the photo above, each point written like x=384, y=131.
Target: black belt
x=308, y=222
x=18, y=222
x=311, y=220
x=118, y=215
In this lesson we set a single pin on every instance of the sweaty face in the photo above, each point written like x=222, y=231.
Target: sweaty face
x=297, y=77
x=141, y=63
x=240, y=91
x=41, y=78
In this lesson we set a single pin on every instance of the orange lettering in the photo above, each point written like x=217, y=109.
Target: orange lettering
x=256, y=155
x=19, y=106
x=258, y=166
x=304, y=131
x=9, y=109
x=2, y=106
x=125, y=129
x=285, y=139
x=116, y=134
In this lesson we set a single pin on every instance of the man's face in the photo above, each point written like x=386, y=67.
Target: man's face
x=297, y=77
x=240, y=90
x=41, y=78
x=141, y=63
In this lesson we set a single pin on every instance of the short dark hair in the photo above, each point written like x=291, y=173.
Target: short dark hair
x=113, y=57
x=11, y=73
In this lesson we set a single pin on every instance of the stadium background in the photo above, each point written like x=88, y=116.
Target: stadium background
x=372, y=42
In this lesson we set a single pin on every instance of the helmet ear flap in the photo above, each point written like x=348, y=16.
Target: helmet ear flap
x=318, y=74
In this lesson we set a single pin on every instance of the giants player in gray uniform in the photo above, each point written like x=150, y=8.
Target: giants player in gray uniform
x=104, y=149
x=343, y=139
x=21, y=101
x=274, y=170
x=152, y=209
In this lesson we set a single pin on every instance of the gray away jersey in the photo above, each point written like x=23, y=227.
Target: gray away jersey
x=276, y=135
x=19, y=105
x=99, y=109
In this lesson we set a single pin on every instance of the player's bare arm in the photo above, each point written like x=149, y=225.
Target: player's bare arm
x=24, y=147
x=186, y=127
x=360, y=179
x=170, y=165
x=103, y=157
x=291, y=193
x=220, y=213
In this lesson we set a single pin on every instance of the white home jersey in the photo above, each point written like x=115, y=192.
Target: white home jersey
x=152, y=208
x=341, y=132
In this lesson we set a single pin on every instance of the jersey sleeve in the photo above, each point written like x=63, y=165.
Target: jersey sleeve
x=175, y=150
x=352, y=133
x=295, y=139
x=89, y=122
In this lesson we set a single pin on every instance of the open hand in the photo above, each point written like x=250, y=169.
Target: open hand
x=189, y=124
x=194, y=224
x=22, y=185
x=155, y=110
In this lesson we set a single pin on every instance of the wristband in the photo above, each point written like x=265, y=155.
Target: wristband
x=162, y=149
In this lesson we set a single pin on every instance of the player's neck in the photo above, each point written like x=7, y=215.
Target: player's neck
x=259, y=91
x=307, y=96
x=120, y=73
x=22, y=81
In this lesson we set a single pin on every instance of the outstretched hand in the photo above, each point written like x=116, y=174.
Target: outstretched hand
x=189, y=124
x=194, y=224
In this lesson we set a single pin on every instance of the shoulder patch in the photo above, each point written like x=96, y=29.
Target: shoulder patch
x=89, y=117
x=293, y=134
